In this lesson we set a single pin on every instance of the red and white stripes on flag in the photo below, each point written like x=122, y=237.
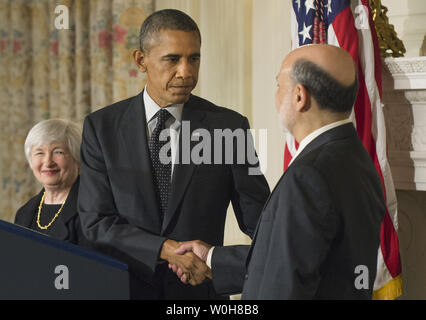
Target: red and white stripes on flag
x=349, y=25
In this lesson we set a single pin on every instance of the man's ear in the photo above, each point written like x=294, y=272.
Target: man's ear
x=139, y=57
x=302, y=98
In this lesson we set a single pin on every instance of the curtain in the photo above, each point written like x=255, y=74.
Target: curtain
x=47, y=72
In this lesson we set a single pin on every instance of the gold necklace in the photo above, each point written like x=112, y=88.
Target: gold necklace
x=39, y=212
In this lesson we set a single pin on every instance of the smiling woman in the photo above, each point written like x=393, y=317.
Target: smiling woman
x=52, y=150
x=55, y=168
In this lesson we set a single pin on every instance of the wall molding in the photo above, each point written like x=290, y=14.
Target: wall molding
x=404, y=98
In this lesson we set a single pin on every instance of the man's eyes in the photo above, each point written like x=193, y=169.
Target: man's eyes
x=172, y=59
x=176, y=59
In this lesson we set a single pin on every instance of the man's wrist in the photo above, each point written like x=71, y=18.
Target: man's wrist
x=168, y=248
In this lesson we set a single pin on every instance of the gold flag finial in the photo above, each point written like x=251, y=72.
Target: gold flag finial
x=390, y=44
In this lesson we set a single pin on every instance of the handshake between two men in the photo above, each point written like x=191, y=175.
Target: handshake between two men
x=188, y=260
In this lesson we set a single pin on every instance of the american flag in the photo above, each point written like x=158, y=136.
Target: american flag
x=348, y=24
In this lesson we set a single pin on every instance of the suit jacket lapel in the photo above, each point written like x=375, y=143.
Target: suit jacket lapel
x=183, y=171
x=134, y=134
x=336, y=133
x=61, y=231
x=30, y=210
x=70, y=207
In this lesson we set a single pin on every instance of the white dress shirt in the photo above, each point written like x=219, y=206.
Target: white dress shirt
x=173, y=123
x=308, y=139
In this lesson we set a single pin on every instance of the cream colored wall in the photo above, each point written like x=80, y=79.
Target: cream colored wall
x=225, y=73
x=271, y=43
x=409, y=20
x=243, y=44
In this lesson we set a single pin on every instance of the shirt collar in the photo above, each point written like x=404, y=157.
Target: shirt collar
x=151, y=108
x=309, y=138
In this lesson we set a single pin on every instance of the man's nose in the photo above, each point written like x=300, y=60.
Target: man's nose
x=184, y=70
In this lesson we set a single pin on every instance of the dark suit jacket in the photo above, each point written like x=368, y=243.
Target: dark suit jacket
x=67, y=226
x=117, y=202
x=321, y=221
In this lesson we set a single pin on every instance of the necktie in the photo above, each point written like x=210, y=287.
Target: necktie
x=161, y=162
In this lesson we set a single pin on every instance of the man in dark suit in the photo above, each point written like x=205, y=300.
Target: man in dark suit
x=321, y=225
x=141, y=193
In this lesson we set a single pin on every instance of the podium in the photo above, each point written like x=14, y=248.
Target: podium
x=34, y=266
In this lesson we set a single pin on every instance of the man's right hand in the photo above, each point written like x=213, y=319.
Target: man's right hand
x=193, y=270
x=198, y=247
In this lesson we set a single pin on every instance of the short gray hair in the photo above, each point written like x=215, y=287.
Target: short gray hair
x=171, y=19
x=54, y=130
x=328, y=92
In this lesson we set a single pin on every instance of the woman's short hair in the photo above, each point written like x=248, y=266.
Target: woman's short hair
x=54, y=130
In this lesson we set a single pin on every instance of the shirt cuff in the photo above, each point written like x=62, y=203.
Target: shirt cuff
x=209, y=258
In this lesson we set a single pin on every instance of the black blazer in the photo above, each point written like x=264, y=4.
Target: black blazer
x=67, y=226
x=117, y=203
x=321, y=221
